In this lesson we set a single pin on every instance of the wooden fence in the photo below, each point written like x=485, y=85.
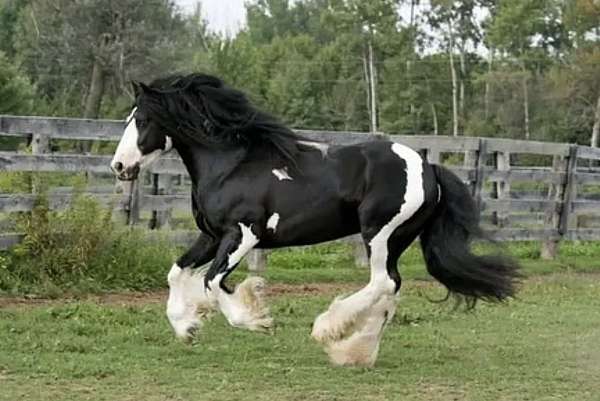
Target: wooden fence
x=527, y=190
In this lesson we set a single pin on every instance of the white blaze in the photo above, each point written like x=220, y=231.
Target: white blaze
x=129, y=154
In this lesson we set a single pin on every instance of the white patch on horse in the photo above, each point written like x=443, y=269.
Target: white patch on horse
x=187, y=301
x=273, y=221
x=439, y=193
x=322, y=147
x=414, y=197
x=281, y=174
x=333, y=324
x=361, y=346
x=168, y=144
x=248, y=241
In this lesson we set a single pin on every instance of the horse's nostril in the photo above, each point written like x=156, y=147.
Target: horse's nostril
x=118, y=167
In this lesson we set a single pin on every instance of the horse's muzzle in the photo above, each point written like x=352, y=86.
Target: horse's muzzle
x=126, y=174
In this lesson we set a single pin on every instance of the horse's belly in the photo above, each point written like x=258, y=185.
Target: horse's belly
x=312, y=225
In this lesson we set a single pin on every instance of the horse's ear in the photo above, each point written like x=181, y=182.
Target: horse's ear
x=139, y=88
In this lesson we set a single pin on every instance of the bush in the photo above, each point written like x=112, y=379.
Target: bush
x=81, y=249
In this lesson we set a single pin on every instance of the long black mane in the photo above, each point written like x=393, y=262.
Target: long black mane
x=201, y=109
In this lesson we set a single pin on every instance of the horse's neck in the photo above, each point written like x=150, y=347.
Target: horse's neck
x=208, y=166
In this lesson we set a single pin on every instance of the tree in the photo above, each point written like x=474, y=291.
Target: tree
x=90, y=47
x=9, y=15
x=582, y=21
x=458, y=29
x=17, y=95
x=527, y=30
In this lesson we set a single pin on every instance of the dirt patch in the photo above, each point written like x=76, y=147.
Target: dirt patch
x=310, y=289
x=273, y=290
x=159, y=297
x=125, y=299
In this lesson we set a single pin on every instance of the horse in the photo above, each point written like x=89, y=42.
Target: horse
x=258, y=184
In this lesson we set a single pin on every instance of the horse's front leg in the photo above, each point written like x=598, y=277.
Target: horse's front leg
x=187, y=296
x=243, y=307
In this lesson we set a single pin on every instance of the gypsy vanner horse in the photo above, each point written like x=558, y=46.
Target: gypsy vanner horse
x=257, y=184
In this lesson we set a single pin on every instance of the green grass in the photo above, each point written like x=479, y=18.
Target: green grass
x=543, y=346
x=127, y=262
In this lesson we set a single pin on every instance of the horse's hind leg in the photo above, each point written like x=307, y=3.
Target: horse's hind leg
x=343, y=313
x=361, y=345
x=357, y=343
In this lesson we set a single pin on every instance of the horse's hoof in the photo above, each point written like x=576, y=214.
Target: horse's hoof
x=264, y=325
x=186, y=330
x=357, y=350
x=192, y=330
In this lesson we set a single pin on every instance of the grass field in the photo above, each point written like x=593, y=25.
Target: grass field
x=545, y=345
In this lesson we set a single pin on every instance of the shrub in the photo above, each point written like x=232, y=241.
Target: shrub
x=82, y=249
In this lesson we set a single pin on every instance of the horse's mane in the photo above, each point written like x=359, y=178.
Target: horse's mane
x=199, y=108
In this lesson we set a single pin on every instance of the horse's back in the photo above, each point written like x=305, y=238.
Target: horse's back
x=323, y=200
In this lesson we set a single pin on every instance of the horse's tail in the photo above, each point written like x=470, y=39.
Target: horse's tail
x=446, y=246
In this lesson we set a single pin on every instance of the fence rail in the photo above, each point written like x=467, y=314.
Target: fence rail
x=555, y=192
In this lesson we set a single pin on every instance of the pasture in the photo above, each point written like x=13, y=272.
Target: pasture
x=541, y=346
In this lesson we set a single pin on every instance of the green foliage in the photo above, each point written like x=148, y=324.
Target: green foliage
x=305, y=61
x=17, y=94
x=125, y=40
x=81, y=249
x=9, y=15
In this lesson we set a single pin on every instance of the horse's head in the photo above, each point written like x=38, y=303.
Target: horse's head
x=143, y=141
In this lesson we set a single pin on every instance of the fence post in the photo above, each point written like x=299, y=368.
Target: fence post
x=161, y=185
x=39, y=144
x=257, y=260
x=131, y=191
x=479, y=171
x=470, y=164
x=433, y=156
x=501, y=189
x=567, y=219
x=563, y=193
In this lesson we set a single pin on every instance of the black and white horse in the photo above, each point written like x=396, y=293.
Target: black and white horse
x=257, y=184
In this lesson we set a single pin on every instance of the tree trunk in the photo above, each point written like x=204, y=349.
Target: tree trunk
x=94, y=98
x=594, y=142
x=454, y=79
x=409, y=63
x=412, y=104
x=463, y=74
x=373, y=87
x=526, y=106
x=435, y=119
x=486, y=99
x=368, y=84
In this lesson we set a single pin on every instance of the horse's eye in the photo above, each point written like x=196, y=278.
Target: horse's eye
x=142, y=123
